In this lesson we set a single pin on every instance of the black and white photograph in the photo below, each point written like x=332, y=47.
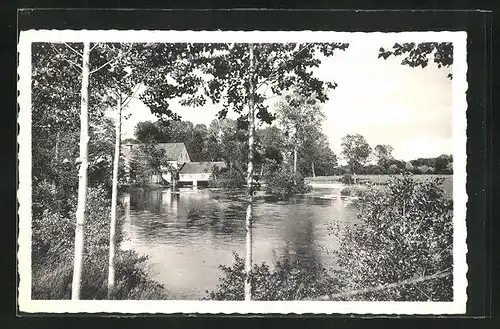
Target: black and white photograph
x=242, y=172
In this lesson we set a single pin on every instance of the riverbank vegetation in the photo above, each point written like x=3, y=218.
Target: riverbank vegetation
x=287, y=279
x=73, y=142
x=403, y=240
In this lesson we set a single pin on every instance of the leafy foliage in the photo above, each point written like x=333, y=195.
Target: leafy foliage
x=356, y=191
x=287, y=281
x=356, y=150
x=147, y=160
x=53, y=245
x=227, y=179
x=282, y=182
x=405, y=232
x=419, y=54
x=383, y=153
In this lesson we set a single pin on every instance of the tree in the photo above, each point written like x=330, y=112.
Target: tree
x=423, y=169
x=316, y=157
x=420, y=54
x=238, y=76
x=82, y=175
x=409, y=167
x=147, y=160
x=147, y=131
x=383, y=153
x=356, y=150
x=300, y=120
x=441, y=163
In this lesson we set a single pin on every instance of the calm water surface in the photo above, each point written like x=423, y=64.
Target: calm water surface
x=188, y=233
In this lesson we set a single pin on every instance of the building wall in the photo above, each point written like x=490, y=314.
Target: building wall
x=184, y=156
x=193, y=177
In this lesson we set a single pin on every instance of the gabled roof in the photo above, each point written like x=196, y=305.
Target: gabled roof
x=172, y=150
x=200, y=167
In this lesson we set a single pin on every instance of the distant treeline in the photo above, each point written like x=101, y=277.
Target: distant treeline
x=226, y=140
x=442, y=164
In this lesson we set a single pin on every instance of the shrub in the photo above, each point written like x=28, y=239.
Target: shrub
x=405, y=233
x=393, y=169
x=52, y=256
x=347, y=179
x=227, y=179
x=287, y=281
x=281, y=182
x=357, y=191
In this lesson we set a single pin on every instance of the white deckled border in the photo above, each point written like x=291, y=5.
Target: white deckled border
x=457, y=306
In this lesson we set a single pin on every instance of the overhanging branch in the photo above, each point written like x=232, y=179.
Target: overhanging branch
x=73, y=64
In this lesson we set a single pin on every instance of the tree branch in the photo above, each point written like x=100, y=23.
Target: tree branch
x=388, y=286
x=95, y=45
x=110, y=61
x=75, y=51
x=73, y=64
x=129, y=98
x=279, y=67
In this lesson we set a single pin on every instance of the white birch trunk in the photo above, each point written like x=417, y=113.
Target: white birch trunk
x=82, y=176
x=312, y=169
x=57, y=145
x=295, y=164
x=248, y=219
x=295, y=159
x=114, y=197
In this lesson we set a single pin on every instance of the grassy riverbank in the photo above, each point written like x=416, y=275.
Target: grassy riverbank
x=381, y=180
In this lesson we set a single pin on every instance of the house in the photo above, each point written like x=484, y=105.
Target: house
x=180, y=168
x=176, y=154
x=198, y=171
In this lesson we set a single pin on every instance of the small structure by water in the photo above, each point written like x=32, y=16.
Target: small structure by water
x=180, y=168
x=198, y=171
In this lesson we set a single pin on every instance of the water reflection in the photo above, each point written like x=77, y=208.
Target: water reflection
x=188, y=233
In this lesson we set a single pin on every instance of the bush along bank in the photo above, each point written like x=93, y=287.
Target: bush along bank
x=288, y=280
x=53, y=248
x=283, y=183
x=404, y=234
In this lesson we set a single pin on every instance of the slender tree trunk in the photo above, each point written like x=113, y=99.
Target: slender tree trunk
x=248, y=220
x=295, y=159
x=82, y=176
x=312, y=169
x=114, y=197
x=57, y=146
x=294, y=164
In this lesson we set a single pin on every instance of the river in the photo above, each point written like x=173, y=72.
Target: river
x=188, y=233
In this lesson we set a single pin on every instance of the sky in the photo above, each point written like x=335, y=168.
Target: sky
x=386, y=102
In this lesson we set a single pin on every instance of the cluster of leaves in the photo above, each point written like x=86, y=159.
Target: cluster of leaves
x=405, y=232
x=220, y=72
x=288, y=280
x=227, y=179
x=357, y=191
x=147, y=160
x=282, y=182
x=356, y=150
x=419, y=54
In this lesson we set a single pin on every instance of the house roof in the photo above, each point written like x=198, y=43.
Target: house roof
x=172, y=150
x=200, y=167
